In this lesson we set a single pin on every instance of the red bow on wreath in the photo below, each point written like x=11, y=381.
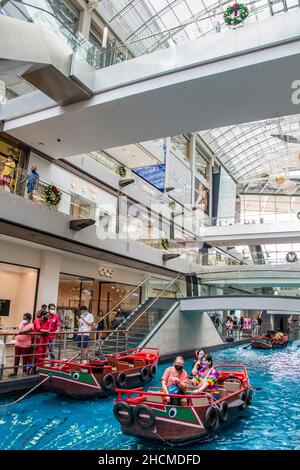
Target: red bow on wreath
x=235, y=7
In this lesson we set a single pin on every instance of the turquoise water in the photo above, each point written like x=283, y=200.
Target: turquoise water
x=46, y=421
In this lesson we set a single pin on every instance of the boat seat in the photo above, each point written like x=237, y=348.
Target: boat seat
x=154, y=399
x=200, y=401
x=123, y=365
x=223, y=391
x=139, y=363
x=232, y=385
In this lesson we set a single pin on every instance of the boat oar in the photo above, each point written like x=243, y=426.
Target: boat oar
x=248, y=345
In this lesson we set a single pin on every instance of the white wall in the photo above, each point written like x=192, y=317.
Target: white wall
x=227, y=195
x=185, y=332
x=71, y=183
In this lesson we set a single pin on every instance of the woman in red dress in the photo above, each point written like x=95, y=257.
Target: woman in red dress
x=41, y=325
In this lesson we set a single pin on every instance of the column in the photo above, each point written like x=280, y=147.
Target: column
x=84, y=23
x=49, y=278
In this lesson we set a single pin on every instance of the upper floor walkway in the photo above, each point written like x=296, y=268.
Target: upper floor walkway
x=239, y=75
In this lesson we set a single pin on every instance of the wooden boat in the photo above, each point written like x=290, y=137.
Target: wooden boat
x=182, y=419
x=100, y=377
x=264, y=342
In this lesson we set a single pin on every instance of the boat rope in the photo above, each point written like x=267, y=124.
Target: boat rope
x=162, y=439
x=27, y=393
x=214, y=403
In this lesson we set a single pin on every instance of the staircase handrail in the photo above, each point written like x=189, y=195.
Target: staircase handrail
x=121, y=301
x=153, y=302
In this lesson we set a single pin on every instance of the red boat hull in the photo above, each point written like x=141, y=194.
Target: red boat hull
x=100, y=378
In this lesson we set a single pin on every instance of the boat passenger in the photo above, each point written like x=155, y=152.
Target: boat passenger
x=198, y=356
x=175, y=378
x=207, y=379
x=279, y=334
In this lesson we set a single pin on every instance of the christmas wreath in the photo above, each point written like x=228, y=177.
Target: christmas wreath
x=236, y=14
x=291, y=257
x=52, y=195
x=165, y=243
x=122, y=171
x=298, y=215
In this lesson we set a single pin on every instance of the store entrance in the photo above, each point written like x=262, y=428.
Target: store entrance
x=99, y=298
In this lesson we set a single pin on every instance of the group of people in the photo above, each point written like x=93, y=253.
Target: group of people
x=203, y=377
x=7, y=177
x=35, y=340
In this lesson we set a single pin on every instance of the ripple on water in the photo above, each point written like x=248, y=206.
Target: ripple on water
x=46, y=421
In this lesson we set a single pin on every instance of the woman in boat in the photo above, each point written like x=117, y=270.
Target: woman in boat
x=175, y=378
x=197, y=365
x=207, y=379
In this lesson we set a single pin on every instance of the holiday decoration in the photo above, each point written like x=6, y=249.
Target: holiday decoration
x=52, y=195
x=298, y=215
x=172, y=204
x=236, y=14
x=291, y=257
x=165, y=243
x=122, y=171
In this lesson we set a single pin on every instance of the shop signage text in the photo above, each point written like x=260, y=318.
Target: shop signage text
x=106, y=272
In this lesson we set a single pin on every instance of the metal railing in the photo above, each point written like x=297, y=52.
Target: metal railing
x=68, y=345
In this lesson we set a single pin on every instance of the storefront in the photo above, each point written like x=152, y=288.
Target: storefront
x=18, y=291
x=13, y=157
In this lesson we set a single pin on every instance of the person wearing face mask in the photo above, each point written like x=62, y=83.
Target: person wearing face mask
x=198, y=357
x=23, y=344
x=41, y=325
x=54, y=324
x=85, y=324
x=207, y=378
x=175, y=378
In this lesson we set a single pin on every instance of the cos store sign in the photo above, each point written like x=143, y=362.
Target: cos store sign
x=106, y=272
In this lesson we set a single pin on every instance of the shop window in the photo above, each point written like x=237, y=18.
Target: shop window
x=112, y=294
x=81, y=208
x=18, y=286
x=9, y=166
x=201, y=164
x=183, y=144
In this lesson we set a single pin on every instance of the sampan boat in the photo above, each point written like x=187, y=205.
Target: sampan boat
x=264, y=342
x=182, y=419
x=100, y=377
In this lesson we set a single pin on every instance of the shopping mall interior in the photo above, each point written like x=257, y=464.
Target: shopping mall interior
x=149, y=177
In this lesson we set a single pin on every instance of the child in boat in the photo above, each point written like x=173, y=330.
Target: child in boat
x=207, y=378
x=197, y=365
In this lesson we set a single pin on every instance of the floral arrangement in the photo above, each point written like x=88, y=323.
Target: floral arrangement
x=236, y=14
x=165, y=243
x=291, y=257
x=122, y=171
x=52, y=195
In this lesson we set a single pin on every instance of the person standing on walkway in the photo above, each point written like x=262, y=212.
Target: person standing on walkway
x=23, y=344
x=85, y=324
x=32, y=181
x=54, y=324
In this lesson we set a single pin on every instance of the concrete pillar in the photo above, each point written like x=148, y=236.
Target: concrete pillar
x=49, y=278
x=84, y=23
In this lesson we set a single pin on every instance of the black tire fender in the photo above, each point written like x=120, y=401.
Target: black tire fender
x=210, y=418
x=107, y=382
x=144, y=374
x=153, y=370
x=144, y=410
x=243, y=397
x=122, y=408
x=224, y=412
x=121, y=379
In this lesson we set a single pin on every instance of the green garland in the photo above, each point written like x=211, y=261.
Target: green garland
x=122, y=171
x=52, y=195
x=291, y=257
x=165, y=243
x=298, y=215
x=236, y=14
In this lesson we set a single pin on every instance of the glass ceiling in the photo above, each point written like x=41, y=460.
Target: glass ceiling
x=163, y=23
x=258, y=149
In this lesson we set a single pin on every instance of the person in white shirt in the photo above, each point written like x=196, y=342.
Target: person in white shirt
x=85, y=324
